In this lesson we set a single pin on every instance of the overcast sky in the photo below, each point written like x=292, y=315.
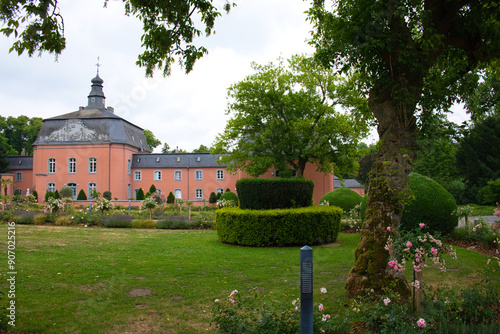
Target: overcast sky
x=182, y=110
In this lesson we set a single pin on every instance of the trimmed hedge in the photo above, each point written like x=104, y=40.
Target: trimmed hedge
x=230, y=196
x=262, y=194
x=302, y=226
x=343, y=197
x=429, y=203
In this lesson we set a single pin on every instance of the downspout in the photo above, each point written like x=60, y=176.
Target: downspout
x=109, y=167
x=188, y=182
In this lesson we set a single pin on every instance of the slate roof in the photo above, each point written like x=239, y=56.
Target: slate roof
x=176, y=160
x=20, y=162
x=348, y=183
x=92, y=124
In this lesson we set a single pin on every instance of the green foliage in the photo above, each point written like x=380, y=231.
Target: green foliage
x=261, y=194
x=57, y=195
x=81, y=196
x=117, y=221
x=212, y=199
x=19, y=133
x=170, y=198
x=343, y=197
x=490, y=194
x=151, y=141
x=25, y=219
x=107, y=195
x=478, y=156
x=152, y=189
x=219, y=196
x=143, y=223
x=35, y=194
x=284, y=227
x=457, y=189
x=66, y=192
x=173, y=225
x=140, y=195
x=286, y=116
x=430, y=204
x=229, y=196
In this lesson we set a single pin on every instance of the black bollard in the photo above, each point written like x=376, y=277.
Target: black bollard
x=306, y=290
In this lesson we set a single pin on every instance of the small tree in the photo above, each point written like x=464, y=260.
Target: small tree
x=170, y=198
x=66, y=192
x=152, y=189
x=35, y=194
x=107, y=195
x=48, y=195
x=149, y=204
x=213, y=198
x=140, y=195
x=81, y=196
x=57, y=195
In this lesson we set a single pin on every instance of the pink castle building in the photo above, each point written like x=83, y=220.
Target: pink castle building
x=95, y=149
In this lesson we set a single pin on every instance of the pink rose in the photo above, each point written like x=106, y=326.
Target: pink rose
x=421, y=323
x=409, y=244
x=388, y=229
x=320, y=307
x=421, y=225
x=391, y=264
x=434, y=251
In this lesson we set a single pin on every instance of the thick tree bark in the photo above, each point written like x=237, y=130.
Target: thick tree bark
x=386, y=196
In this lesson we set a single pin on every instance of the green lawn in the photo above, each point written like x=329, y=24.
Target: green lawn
x=82, y=280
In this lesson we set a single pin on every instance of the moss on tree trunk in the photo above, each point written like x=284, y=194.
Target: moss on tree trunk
x=386, y=197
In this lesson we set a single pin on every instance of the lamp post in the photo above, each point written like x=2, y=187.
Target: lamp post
x=306, y=290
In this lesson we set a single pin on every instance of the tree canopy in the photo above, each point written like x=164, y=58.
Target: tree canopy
x=20, y=133
x=289, y=115
x=151, y=139
x=410, y=54
x=170, y=28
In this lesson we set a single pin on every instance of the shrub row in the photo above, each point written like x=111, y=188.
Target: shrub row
x=261, y=194
x=302, y=226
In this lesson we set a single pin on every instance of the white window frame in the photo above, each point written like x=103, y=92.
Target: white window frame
x=178, y=193
x=51, y=186
x=73, y=186
x=19, y=176
x=137, y=175
x=90, y=188
x=178, y=178
x=219, y=191
x=51, y=166
x=198, y=193
x=92, y=165
x=220, y=174
x=71, y=165
x=129, y=166
x=157, y=175
x=198, y=175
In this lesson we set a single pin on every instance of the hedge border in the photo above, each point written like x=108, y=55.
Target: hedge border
x=286, y=227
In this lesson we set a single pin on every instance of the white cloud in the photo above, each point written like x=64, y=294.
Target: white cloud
x=182, y=110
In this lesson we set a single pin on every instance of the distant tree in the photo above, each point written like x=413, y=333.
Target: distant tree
x=165, y=148
x=485, y=100
x=81, y=196
x=107, y=195
x=287, y=115
x=66, y=192
x=21, y=133
x=48, y=195
x=202, y=149
x=213, y=198
x=170, y=198
x=4, y=164
x=140, y=195
x=478, y=155
x=152, y=189
x=151, y=139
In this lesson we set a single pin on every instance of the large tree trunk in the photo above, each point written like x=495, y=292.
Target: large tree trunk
x=386, y=196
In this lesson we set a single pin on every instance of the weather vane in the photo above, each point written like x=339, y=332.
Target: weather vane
x=98, y=65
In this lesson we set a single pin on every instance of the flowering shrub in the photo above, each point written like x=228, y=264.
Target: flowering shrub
x=103, y=204
x=158, y=197
x=149, y=203
x=226, y=203
x=54, y=205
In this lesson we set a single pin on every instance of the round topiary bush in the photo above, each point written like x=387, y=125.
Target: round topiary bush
x=429, y=203
x=229, y=196
x=343, y=197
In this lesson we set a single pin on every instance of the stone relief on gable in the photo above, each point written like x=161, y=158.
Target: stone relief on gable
x=75, y=130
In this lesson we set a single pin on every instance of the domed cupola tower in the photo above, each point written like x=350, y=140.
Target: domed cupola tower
x=96, y=98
